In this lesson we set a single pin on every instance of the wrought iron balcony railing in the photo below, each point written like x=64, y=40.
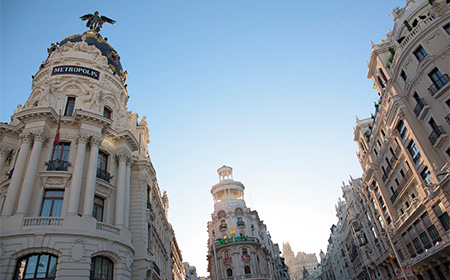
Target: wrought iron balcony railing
x=419, y=106
x=434, y=136
x=438, y=84
x=57, y=165
x=103, y=174
x=240, y=223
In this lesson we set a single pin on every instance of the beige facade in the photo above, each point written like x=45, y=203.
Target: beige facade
x=401, y=203
x=87, y=206
x=298, y=263
x=239, y=245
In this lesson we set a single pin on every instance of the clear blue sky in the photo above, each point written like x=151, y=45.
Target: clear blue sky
x=270, y=88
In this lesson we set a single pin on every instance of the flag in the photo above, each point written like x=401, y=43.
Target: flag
x=55, y=142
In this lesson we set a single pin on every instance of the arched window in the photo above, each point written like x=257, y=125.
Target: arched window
x=239, y=212
x=227, y=254
x=229, y=272
x=247, y=270
x=102, y=268
x=36, y=266
x=244, y=251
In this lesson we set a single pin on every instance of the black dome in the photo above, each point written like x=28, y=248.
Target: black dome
x=93, y=38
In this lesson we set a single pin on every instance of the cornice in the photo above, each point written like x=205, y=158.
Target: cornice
x=46, y=113
x=123, y=136
x=93, y=118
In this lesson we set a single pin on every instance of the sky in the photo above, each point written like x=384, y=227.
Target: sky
x=271, y=88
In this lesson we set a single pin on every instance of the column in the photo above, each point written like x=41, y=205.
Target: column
x=127, y=193
x=14, y=184
x=91, y=178
x=120, y=189
x=77, y=175
x=30, y=173
x=4, y=153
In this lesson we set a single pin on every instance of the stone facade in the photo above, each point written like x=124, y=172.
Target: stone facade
x=86, y=206
x=240, y=247
x=402, y=202
x=298, y=263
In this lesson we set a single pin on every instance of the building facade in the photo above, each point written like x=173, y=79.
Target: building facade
x=79, y=195
x=401, y=204
x=298, y=263
x=240, y=247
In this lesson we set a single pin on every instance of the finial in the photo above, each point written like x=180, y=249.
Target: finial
x=95, y=22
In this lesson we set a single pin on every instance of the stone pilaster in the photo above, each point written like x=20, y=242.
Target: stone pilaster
x=91, y=177
x=14, y=185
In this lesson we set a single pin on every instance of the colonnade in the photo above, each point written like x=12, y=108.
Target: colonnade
x=27, y=167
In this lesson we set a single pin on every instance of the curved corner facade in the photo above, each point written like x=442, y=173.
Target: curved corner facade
x=78, y=193
x=239, y=245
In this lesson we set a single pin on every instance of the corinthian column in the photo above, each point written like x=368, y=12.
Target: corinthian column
x=4, y=153
x=30, y=174
x=14, y=184
x=77, y=175
x=120, y=189
x=91, y=178
x=127, y=192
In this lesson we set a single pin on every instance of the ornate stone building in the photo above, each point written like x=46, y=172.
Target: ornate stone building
x=402, y=203
x=240, y=247
x=87, y=205
x=298, y=263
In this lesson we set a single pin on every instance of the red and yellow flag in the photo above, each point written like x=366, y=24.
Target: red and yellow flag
x=55, y=142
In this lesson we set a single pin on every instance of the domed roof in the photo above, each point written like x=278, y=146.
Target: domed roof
x=93, y=38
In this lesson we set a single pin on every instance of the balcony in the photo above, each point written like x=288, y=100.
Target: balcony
x=438, y=84
x=107, y=227
x=103, y=174
x=434, y=136
x=42, y=221
x=246, y=257
x=223, y=227
x=247, y=276
x=240, y=224
x=419, y=107
x=57, y=165
x=227, y=260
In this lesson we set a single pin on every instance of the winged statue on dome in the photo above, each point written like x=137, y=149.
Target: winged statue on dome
x=95, y=22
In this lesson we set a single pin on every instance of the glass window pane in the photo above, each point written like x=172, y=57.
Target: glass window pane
x=52, y=267
x=57, y=206
x=98, y=267
x=42, y=266
x=31, y=267
x=46, y=206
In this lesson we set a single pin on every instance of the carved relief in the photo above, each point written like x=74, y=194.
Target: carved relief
x=78, y=251
x=96, y=141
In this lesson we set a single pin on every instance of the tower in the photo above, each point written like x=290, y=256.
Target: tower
x=239, y=244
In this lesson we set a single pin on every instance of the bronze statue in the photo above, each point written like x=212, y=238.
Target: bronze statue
x=95, y=22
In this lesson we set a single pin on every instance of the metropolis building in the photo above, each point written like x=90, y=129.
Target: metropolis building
x=239, y=245
x=79, y=196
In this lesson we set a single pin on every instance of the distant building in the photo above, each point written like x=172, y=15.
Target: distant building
x=79, y=196
x=190, y=271
x=298, y=263
x=239, y=245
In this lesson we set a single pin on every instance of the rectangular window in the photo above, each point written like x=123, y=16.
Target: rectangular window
x=420, y=53
x=404, y=76
x=102, y=166
x=418, y=246
x=414, y=151
x=438, y=79
x=97, y=211
x=107, y=112
x=59, y=158
x=70, y=106
x=425, y=174
x=401, y=127
x=52, y=203
x=435, y=237
x=439, y=209
x=425, y=240
x=411, y=250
